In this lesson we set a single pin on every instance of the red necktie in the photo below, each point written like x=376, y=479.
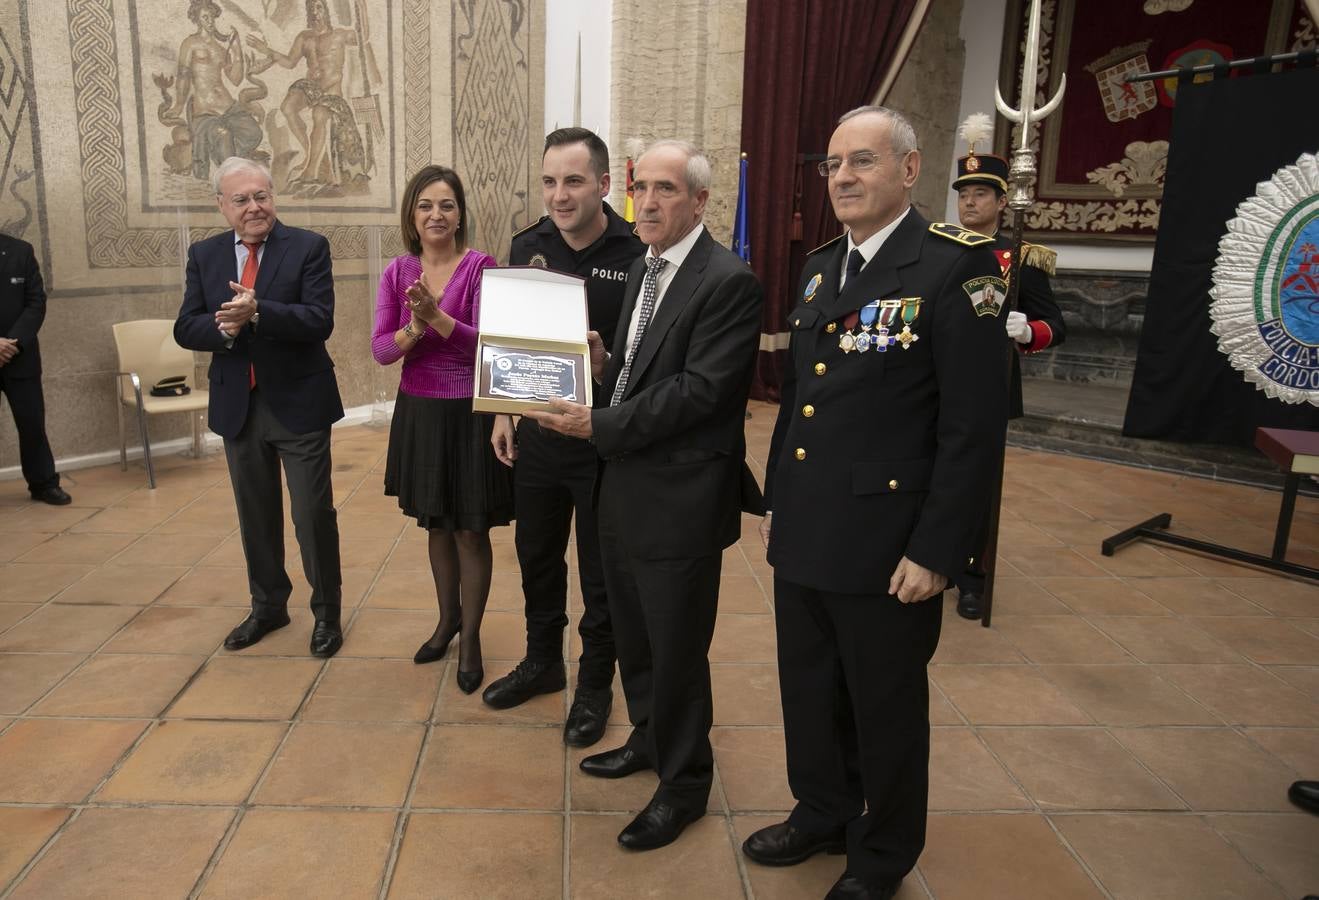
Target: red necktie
x=248, y=280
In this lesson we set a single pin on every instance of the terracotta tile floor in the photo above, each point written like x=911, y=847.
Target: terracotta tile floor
x=1127, y=729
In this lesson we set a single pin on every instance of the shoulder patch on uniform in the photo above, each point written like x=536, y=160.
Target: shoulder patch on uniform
x=522, y=231
x=828, y=243
x=987, y=293
x=1040, y=257
x=959, y=234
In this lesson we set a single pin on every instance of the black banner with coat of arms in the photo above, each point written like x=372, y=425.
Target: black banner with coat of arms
x=1229, y=136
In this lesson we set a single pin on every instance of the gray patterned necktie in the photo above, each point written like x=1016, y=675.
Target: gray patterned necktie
x=649, y=290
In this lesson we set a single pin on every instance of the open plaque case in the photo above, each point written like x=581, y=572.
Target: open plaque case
x=531, y=342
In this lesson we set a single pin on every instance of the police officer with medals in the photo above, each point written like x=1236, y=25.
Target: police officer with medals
x=1037, y=322
x=891, y=423
x=581, y=235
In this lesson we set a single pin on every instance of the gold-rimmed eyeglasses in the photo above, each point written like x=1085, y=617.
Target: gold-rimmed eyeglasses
x=861, y=161
x=261, y=198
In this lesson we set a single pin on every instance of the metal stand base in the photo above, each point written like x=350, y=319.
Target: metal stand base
x=1152, y=530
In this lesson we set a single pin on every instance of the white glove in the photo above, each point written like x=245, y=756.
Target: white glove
x=1018, y=328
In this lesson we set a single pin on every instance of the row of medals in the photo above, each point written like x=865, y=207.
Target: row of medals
x=880, y=340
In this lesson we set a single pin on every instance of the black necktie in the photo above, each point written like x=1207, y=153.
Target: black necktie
x=854, y=263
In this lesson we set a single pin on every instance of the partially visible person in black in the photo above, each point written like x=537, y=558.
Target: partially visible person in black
x=580, y=235
x=22, y=309
x=1036, y=324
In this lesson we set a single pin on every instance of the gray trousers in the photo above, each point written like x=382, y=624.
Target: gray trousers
x=254, y=458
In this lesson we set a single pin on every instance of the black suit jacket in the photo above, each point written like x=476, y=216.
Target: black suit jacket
x=295, y=300
x=674, y=447
x=878, y=455
x=22, y=305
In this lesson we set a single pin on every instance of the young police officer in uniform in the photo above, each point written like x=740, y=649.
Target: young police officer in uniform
x=581, y=235
x=891, y=422
x=1036, y=324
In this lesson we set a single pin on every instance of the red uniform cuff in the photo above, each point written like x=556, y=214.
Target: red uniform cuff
x=1041, y=337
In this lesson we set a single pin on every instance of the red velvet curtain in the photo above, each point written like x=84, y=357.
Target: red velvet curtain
x=807, y=63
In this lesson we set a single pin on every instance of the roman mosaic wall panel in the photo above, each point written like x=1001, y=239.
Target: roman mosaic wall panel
x=114, y=113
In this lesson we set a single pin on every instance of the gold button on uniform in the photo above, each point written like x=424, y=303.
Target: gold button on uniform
x=893, y=485
x=831, y=327
x=800, y=454
x=821, y=368
x=796, y=321
x=808, y=410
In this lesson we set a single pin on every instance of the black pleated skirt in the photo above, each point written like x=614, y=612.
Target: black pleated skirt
x=441, y=467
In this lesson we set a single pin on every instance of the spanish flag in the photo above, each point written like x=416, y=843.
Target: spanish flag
x=629, y=213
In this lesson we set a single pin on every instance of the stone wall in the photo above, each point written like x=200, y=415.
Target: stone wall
x=678, y=74
x=105, y=155
x=927, y=92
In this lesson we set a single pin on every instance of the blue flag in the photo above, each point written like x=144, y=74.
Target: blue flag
x=741, y=233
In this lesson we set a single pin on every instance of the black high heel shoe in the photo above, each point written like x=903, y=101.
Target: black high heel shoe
x=470, y=681
x=429, y=652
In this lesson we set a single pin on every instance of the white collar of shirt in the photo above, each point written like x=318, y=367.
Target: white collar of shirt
x=870, y=246
x=675, y=256
x=240, y=254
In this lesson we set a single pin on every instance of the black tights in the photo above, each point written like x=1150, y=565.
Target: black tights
x=461, y=563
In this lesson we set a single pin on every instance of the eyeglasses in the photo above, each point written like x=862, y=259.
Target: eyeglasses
x=861, y=161
x=261, y=198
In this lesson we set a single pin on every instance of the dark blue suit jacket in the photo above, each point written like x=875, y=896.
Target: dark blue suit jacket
x=295, y=300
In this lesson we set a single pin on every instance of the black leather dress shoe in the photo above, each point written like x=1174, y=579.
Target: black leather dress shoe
x=588, y=716
x=1305, y=794
x=251, y=630
x=614, y=763
x=658, y=824
x=528, y=678
x=54, y=495
x=326, y=639
x=783, y=845
x=970, y=606
x=849, y=887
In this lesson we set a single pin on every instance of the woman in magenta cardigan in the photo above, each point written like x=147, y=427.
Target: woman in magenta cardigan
x=440, y=464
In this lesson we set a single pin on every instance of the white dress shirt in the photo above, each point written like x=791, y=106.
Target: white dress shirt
x=675, y=256
x=870, y=246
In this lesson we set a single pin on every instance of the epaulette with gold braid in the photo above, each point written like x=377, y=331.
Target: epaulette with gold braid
x=959, y=234
x=529, y=227
x=828, y=243
x=1039, y=257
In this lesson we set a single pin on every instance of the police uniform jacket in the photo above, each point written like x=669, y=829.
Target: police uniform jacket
x=1035, y=299
x=879, y=454
x=22, y=305
x=604, y=264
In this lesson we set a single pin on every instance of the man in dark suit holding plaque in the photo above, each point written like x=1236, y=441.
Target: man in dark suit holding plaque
x=554, y=475
x=890, y=427
x=260, y=298
x=673, y=481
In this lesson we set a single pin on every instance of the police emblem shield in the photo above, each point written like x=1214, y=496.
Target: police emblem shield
x=1265, y=292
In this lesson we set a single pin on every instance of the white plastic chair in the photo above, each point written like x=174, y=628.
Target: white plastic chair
x=147, y=353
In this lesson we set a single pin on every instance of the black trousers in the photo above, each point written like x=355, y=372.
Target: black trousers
x=254, y=458
x=29, y=408
x=553, y=477
x=852, y=674
x=663, y=614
